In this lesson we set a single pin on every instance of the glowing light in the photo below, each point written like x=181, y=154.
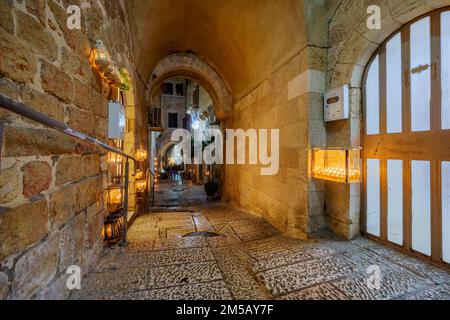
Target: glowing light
x=141, y=185
x=337, y=174
x=338, y=165
x=195, y=125
x=100, y=56
x=141, y=155
x=115, y=158
x=115, y=196
x=139, y=174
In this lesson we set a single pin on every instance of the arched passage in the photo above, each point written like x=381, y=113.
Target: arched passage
x=190, y=66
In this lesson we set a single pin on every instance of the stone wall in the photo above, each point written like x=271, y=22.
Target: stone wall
x=290, y=100
x=351, y=45
x=52, y=199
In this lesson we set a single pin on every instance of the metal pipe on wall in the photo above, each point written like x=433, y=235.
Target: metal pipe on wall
x=27, y=112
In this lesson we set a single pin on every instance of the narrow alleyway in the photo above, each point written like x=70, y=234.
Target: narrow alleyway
x=170, y=258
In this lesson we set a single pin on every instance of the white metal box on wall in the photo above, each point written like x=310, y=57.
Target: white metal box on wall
x=336, y=104
x=116, y=121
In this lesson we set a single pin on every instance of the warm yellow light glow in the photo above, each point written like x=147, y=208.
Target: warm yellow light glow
x=108, y=230
x=141, y=185
x=337, y=175
x=115, y=196
x=338, y=165
x=141, y=155
x=115, y=158
x=100, y=56
x=139, y=174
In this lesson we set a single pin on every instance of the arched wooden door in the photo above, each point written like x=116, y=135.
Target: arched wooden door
x=406, y=141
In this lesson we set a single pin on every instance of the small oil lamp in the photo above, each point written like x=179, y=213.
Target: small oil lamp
x=141, y=155
x=141, y=185
x=139, y=174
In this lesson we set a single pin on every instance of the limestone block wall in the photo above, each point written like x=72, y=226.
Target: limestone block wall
x=351, y=44
x=52, y=199
x=289, y=100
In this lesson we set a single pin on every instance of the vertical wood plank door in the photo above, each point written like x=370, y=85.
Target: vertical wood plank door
x=406, y=140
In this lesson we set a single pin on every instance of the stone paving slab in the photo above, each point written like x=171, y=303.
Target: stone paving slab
x=393, y=284
x=441, y=292
x=215, y=290
x=424, y=270
x=280, y=260
x=158, y=258
x=256, y=235
x=178, y=232
x=173, y=275
x=295, y=277
x=241, y=281
x=168, y=244
x=141, y=245
x=324, y=291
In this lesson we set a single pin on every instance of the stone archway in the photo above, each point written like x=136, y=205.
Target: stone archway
x=191, y=66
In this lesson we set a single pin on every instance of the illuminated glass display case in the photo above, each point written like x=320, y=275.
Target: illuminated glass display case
x=341, y=165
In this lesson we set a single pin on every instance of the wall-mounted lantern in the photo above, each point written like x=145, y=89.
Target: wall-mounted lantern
x=115, y=196
x=141, y=155
x=101, y=60
x=100, y=56
x=139, y=174
x=115, y=158
x=141, y=185
x=341, y=165
x=113, y=226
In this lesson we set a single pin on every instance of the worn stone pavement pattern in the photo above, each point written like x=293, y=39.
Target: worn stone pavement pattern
x=250, y=260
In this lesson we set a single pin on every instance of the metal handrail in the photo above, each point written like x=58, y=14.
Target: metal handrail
x=27, y=112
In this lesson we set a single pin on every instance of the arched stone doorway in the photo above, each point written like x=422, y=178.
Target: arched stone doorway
x=191, y=66
x=406, y=140
x=214, y=105
x=349, y=57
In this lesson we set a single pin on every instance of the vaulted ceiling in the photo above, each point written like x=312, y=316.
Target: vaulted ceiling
x=245, y=40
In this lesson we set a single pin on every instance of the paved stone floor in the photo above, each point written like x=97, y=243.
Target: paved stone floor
x=250, y=260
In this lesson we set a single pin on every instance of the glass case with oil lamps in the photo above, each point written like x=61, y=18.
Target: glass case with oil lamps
x=341, y=165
